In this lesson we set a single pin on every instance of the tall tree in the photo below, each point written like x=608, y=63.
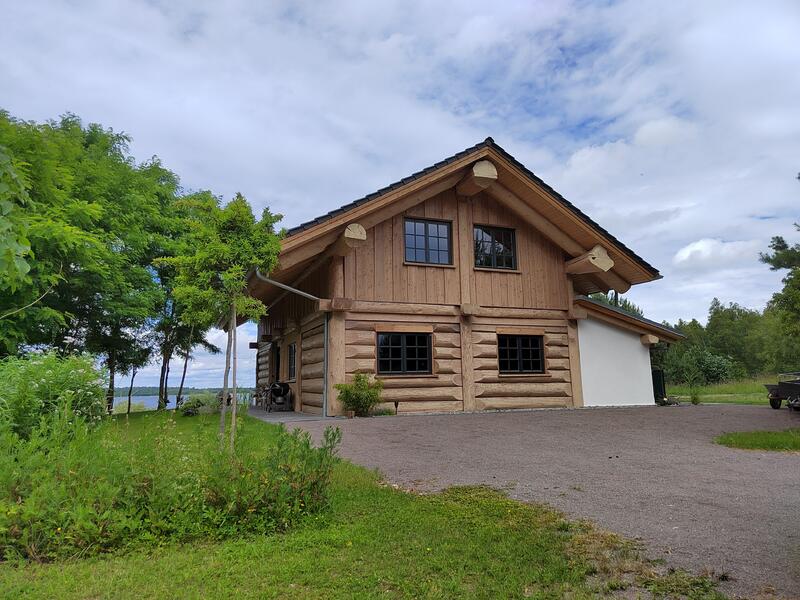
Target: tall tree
x=93, y=224
x=226, y=243
x=786, y=303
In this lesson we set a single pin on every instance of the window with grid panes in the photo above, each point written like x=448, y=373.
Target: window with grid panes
x=520, y=353
x=428, y=242
x=404, y=353
x=495, y=247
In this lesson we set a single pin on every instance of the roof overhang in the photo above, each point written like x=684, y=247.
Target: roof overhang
x=625, y=320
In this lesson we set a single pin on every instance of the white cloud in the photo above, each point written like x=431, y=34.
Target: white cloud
x=708, y=253
x=670, y=124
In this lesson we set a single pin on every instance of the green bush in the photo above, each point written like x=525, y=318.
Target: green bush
x=37, y=385
x=362, y=395
x=69, y=490
x=201, y=403
x=697, y=367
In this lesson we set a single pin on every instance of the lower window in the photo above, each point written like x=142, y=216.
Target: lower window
x=520, y=353
x=404, y=353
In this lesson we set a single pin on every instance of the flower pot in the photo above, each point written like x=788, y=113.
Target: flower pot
x=350, y=414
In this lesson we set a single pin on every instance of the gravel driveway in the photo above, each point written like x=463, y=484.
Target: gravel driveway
x=649, y=473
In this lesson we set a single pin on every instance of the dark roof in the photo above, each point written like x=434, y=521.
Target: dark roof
x=630, y=315
x=488, y=142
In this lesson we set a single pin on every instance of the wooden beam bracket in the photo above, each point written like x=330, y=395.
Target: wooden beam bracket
x=595, y=260
x=480, y=176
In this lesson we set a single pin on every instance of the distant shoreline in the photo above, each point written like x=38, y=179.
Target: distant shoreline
x=172, y=391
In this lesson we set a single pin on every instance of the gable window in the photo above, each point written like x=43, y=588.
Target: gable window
x=495, y=247
x=404, y=353
x=520, y=353
x=428, y=242
x=292, y=360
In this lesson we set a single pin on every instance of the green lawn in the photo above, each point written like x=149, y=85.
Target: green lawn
x=744, y=391
x=374, y=541
x=787, y=440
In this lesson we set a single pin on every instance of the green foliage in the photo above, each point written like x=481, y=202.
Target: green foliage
x=14, y=245
x=697, y=366
x=39, y=385
x=787, y=440
x=373, y=541
x=70, y=491
x=362, y=395
x=618, y=302
x=202, y=403
x=94, y=220
x=224, y=245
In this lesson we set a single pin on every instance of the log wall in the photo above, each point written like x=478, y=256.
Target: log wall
x=439, y=392
x=312, y=365
x=464, y=380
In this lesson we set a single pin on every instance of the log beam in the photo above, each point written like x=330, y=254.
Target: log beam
x=648, y=339
x=553, y=233
x=595, y=260
x=480, y=176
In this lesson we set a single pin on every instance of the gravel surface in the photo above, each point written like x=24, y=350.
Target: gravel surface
x=650, y=473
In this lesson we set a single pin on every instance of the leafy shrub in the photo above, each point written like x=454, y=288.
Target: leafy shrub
x=37, y=385
x=697, y=366
x=362, y=395
x=201, y=403
x=69, y=490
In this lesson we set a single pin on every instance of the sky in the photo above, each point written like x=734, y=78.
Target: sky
x=675, y=125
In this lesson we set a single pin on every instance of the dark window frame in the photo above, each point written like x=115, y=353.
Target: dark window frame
x=516, y=344
x=493, y=231
x=291, y=362
x=402, y=356
x=427, y=237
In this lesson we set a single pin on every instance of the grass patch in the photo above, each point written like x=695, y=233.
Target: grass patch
x=743, y=391
x=788, y=440
x=373, y=541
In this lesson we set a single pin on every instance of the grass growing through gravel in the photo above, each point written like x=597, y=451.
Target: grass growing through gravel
x=788, y=440
x=743, y=391
x=374, y=541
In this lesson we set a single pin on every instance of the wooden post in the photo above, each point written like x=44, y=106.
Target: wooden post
x=336, y=361
x=467, y=372
x=575, y=364
x=465, y=268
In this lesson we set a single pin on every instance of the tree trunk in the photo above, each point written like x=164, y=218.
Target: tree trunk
x=130, y=392
x=179, y=397
x=111, y=363
x=166, y=382
x=225, y=380
x=161, y=397
x=235, y=404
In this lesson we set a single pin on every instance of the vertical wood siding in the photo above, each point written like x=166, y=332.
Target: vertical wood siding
x=377, y=271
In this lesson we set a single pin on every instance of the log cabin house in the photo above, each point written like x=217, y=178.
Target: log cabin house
x=463, y=287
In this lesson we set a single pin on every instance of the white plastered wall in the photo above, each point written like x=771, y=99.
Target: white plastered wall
x=615, y=365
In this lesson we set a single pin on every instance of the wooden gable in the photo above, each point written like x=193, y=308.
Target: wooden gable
x=495, y=188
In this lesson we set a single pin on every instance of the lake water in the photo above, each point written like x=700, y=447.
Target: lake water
x=151, y=402
x=148, y=401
